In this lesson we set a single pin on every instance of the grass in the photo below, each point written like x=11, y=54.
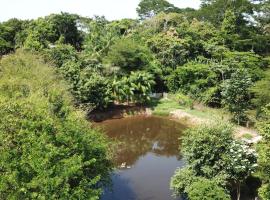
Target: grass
x=247, y=136
x=163, y=107
x=209, y=113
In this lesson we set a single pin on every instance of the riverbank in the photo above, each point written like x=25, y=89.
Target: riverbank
x=169, y=107
x=199, y=115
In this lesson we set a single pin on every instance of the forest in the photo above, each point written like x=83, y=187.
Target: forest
x=57, y=69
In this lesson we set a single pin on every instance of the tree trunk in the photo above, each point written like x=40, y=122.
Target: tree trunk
x=238, y=189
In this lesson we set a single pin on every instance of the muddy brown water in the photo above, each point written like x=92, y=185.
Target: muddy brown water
x=146, y=158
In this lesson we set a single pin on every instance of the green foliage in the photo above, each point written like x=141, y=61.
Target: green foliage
x=169, y=49
x=8, y=32
x=184, y=100
x=48, y=151
x=5, y=46
x=128, y=55
x=65, y=25
x=264, y=154
x=94, y=89
x=236, y=95
x=89, y=87
x=214, y=55
x=135, y=88
x=181, y=180
x=61, y=53
x=261, y=91
x=228, y=28
x=204, y=147
x=212, y=96
x=212, y=153
x=214, y=10
x=191, y=78
x=149, y=8
x=205, y=189
x=99, y=37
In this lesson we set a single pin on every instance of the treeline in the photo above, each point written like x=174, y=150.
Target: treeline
x=215, y=54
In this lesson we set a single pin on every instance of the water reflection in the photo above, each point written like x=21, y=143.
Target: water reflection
x=149, y=149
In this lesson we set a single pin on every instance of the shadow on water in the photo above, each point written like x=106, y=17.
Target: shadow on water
x=148, y=153
x=121, y=191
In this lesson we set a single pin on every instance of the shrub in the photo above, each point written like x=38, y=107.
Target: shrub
x=48, y=150
x=205, y=189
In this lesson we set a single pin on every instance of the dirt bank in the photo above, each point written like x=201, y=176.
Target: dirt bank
x=192, y=120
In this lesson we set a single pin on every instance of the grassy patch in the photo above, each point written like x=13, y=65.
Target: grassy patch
x=247, y=136
x=163, y=107
x=209, y=113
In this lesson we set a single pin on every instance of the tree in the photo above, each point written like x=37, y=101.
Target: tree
x=214, y=10
x=241, y=162
x=204, y=147
x=48, y=150
x=236, y=95
x=128, y=55
x=263, y=16
x=170, y=50
x=264, y=154
x=228, y=28
x=99, y=37
x=261, y=92
x=40, y=34
x=8, y=33
x=184, y=183
x=212, y=153
x=193, y=78
x=149, y=8
x=5, y=44
x=65, y=25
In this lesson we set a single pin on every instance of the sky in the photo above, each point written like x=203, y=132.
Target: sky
x=111, y=9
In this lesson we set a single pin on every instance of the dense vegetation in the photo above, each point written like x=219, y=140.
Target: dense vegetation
x=215, y=160
x=48, y=150
x=217, y=55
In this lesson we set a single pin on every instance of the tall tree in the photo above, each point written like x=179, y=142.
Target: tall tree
x=65, y=25
x=236, y=95
x=228, y=28
x=214, y=10
x=149, y=8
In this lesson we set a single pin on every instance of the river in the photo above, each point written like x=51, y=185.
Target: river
x=146, y=158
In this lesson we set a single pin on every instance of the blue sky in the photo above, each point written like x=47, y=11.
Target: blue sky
x=111, y=9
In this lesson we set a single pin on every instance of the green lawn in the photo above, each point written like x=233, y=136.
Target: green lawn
x=163, y=107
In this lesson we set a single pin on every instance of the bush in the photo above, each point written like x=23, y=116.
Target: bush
x=94, y=89
x=205, y=189
x=192, y=78
x=212, y=153
x=48, y=151
x=134, y=88
x=61, y=53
